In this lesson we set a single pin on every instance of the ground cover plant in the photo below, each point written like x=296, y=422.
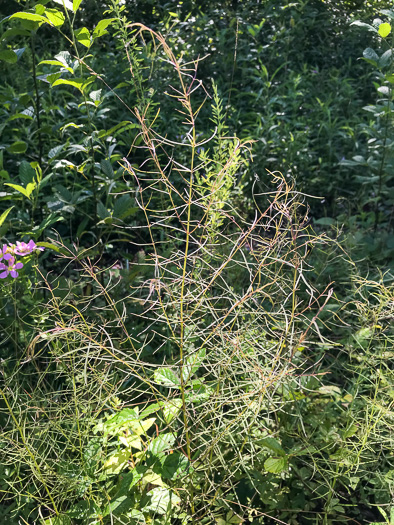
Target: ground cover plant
x=196, y=262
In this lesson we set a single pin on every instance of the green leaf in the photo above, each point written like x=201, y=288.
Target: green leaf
x=193, y=363
x=30, y=16
x=8, y=55
x=161, y=500
x=141, y=427
x=161, y=443
x=83, y=36
x=384, y=30
x=15, y=31
x=350, y=431
x=92, y=456
x=76, y=4
x=124, y=207
x=275, y=465
x=17, y=147
x=175, y=466
x=55, y=17
x=84, y=510
x=272, y=444
x=171, y=409
x=370, y=54
x=3, y=216
x=26, y=173
x=77, y=83
x=117, y=462
x=131, y=441
x=100, y=29
x=167, y=377
x=106, y=167
x=25, y=191
x=119, y=420
x=362, y=24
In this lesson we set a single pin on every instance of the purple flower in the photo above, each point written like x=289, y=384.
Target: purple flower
x=11, y=268
x=23, y=248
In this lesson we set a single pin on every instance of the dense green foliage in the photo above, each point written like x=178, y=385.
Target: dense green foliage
x=202, y=329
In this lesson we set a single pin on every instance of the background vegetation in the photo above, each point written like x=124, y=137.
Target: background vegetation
x=202, y=329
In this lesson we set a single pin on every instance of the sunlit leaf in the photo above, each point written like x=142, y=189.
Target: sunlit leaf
x=100, y=28
x=117, y=462
x=74, y=83
x=56, y=17
x=83, y=36
x=275, y=465
x=30, y=16
x=76, y=4
x=384, y=30
x=4, y=215
x=167, y=377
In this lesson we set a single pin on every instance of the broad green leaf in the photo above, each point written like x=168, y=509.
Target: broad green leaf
x=75, y=83
x=83, y=36
x=167, y=377
x=30, y=16
x=76, y=4
x=40, y=8
x=385, y=59
x=15, y=31
x=171, y=409
x=175, y=466
x=131, y=441
x=124, y=207
x=100, y=28
x=26, y=173
x=350, y=431
x=84, y=510
x=8, y=55
x=153, y=478
x=117, y=421
x=117, y=462
x=17, y=147
x=370, y=54
x=384, y=30
x=56, y=17
x=92, y=456
x=20, y=115
x=140, y=427
x=3, y=216
x=25, y=191
x=272, y=444
x=363, y=24
x=275, y=465
x=161, y=443
x=193, y=363
x=161, y=500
